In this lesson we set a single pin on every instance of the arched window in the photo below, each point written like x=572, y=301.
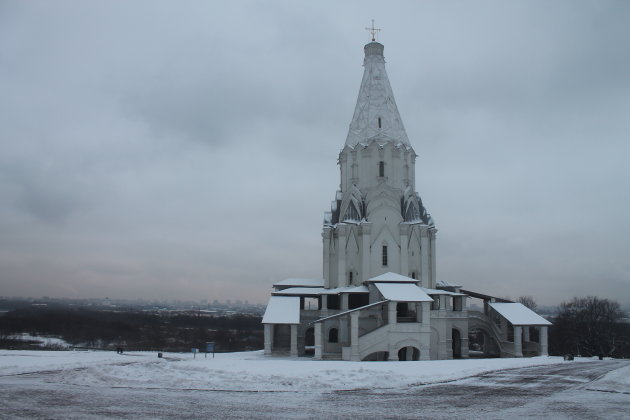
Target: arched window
x=333, y=335
x=413, y=275
x=349, y=277
x=381, y=169
x=384, y=255
x=379, y=122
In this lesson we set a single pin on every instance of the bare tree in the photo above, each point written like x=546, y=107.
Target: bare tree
x=588, y=326
x=529, y=302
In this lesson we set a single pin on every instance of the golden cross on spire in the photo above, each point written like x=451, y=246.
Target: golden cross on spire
x=373, y=31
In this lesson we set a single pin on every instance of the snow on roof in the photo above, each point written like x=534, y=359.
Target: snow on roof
x=282, y=310
x=301, y=282
x=392, y=277
x=402, y=292
x=302, y=291
x=518, y=314
x=444, y=283
x=440, y=292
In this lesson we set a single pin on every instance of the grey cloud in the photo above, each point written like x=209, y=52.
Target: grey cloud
x=156, y=149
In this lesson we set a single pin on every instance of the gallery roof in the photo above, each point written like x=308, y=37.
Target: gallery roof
x=402, y=292
x=282, y=310
x=518, y=314
x=314, y=291
x=392, y=277
x=440, y=292
x=301, y=283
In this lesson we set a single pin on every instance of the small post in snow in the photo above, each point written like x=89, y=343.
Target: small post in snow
x=210, y=348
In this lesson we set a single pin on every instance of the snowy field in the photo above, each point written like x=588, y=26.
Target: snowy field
x=135, y=385
x=247, y=371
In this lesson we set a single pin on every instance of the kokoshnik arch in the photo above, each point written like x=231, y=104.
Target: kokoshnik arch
x=380, y=297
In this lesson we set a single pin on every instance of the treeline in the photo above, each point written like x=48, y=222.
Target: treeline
x=134, y=330
x=590, y=326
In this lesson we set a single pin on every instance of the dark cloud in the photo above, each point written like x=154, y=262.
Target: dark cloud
x=164, y=150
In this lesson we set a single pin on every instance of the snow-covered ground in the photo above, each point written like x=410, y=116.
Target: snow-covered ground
x=105, y=385
x=252, y=371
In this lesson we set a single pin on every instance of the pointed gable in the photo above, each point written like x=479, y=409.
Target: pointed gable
x=376, y=115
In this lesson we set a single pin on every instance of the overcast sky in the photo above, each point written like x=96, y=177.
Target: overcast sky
x=175, y=150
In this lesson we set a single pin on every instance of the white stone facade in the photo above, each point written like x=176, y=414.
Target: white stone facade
x=380, y=298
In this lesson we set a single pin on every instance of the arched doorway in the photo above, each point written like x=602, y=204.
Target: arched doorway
x=309, y=341
x=456, y=341
x=408, y=353
x=333, y=335
x=477, y=342
x=309, y=337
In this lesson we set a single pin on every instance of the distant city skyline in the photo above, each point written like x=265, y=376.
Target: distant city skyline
x=165, y=150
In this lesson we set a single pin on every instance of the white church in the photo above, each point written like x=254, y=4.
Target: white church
x=380, y=297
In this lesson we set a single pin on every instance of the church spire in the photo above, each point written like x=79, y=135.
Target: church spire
x=376, y=115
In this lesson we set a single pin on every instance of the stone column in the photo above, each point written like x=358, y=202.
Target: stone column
x=445, y=303
x=294, y=349
x=432, y=233
x=354, y=336
x=392, y=354
x=404, y=252
x=318, y=341
x=424, y=261
x=504, y=329
x=366, y=228
x=391, y=319
x=464, y=349
x=426, y=314
x=268, y=338
x=518, y=343
x=526, y=333
x=418, y=311
x=344, y=301
x=342, y=277
x=326, y=268
x=543, y=341
x=343, y=330
x=425, y=353
x=391, y=315
x=324, y=308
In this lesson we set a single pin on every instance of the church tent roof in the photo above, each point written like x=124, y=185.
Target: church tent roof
x=282, y=310
x=518, y=314
x=402, y=292
x=376, y=115
x=392, y=277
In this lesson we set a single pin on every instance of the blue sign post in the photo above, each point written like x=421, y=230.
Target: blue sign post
x=210, y=348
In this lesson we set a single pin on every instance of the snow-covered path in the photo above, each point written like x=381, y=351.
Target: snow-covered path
x=247, y=385
x=247, y=371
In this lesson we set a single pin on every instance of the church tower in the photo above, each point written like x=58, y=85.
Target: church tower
x=377, y=223
x=379, y=298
